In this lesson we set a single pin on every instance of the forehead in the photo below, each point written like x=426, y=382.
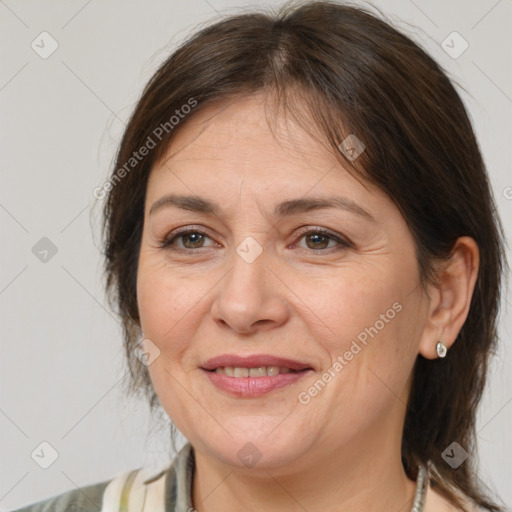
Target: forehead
x=245, y=128
x=247, y=143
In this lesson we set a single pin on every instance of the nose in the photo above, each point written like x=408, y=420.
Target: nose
x=250, y=297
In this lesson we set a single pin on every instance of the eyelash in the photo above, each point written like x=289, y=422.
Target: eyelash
x=167, y=242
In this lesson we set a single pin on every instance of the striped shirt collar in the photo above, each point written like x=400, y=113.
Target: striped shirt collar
x=178, y=488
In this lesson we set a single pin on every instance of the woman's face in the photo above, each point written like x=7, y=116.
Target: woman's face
x=258, y=246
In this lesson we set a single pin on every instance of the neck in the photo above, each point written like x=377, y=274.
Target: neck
x=366, y=474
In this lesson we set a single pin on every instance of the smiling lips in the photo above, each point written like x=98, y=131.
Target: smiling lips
x=260, y=371
x=253, y=376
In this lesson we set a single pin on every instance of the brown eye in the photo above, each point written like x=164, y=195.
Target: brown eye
x=192, y=240
x=187, y=240
x=319, y=240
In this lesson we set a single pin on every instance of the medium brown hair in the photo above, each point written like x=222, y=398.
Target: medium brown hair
x=341, y=70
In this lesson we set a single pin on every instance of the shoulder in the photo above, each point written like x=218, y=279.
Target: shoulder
x=135, y=485
x=151, y=488
x=85, y=499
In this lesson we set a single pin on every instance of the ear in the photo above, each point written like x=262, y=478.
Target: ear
x=450, y=297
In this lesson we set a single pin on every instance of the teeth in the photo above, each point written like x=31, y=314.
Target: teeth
x=258, y=372
x=241, y=372
x=273, y=370
x=261, y=371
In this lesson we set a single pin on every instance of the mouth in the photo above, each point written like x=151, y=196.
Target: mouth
x=259, y=371
x=254, y=362
x=255, y=375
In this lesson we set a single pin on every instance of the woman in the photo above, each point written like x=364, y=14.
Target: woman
x=302, y=244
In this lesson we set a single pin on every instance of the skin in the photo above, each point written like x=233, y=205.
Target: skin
x=303, y=298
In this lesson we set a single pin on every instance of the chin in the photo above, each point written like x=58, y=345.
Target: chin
x=255, y=442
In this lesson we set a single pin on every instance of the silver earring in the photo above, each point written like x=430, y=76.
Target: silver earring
x=441, y=349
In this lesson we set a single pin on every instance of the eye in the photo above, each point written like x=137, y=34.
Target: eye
x=188, y=239
x=322, y=239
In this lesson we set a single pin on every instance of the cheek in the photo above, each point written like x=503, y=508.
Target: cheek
x=353, y=306
x=167, y=306
x=166, y=302
x=371, y=355
x=163, y=294
x=368, y=320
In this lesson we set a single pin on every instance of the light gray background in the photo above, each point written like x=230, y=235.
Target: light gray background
x=61, y=356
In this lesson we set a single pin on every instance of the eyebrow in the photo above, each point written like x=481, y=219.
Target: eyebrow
x=286, y=208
